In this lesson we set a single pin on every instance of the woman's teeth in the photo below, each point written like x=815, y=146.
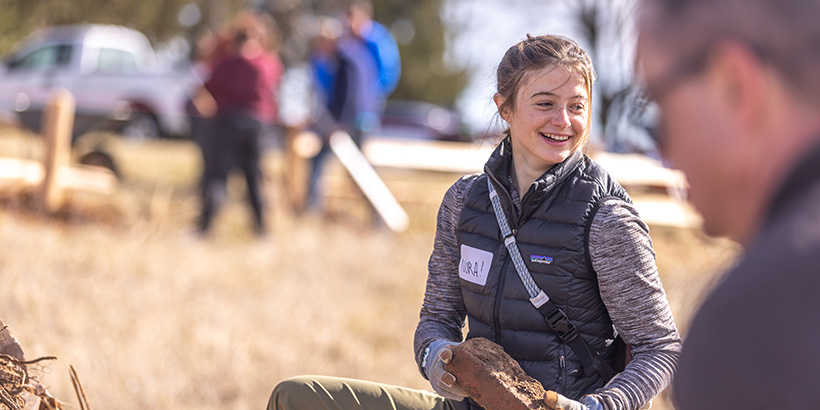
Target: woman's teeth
x=558, y=138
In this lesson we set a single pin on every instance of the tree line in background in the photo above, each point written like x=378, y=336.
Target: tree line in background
x=156, y=18
x=425, y=76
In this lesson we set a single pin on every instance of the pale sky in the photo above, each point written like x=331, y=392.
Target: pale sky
x=487, y=29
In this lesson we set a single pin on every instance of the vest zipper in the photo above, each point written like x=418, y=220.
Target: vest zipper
x=562, y=373
x=498, y=296
x=504, y=267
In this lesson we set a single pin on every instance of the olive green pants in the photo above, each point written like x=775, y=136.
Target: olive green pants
x=333, y=393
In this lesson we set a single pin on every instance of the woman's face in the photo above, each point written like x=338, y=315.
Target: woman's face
x=550, y=117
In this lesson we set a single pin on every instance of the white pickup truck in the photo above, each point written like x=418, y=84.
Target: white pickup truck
x=112, y=73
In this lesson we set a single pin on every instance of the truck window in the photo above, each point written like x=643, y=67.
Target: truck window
x=116, y=61
x=44, y=58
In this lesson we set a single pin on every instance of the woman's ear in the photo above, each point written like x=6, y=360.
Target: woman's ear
x=499, y=103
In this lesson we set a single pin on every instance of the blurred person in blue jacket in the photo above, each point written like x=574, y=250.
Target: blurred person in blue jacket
x=380, y=42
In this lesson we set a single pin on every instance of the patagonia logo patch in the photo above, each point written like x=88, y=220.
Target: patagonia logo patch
x=546, y=260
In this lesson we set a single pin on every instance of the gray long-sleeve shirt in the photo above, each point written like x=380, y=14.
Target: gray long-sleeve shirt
x=621, y=253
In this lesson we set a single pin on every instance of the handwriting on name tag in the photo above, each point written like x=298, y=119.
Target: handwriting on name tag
x=474, y=265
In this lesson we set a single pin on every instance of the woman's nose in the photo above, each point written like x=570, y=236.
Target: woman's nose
x=561, y=118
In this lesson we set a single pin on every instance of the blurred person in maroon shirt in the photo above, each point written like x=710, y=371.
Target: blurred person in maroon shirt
x=240, y=97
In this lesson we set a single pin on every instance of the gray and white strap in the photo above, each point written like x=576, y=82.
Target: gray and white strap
x=537, y=296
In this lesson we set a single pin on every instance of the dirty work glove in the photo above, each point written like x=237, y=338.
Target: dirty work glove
x=444, y=383
x=557, y=401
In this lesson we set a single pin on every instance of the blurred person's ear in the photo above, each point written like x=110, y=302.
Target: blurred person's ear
x=744, y=86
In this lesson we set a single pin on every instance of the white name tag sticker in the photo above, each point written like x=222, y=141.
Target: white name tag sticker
x=474, y=265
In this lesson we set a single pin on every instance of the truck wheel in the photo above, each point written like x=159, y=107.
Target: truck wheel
x=100, y=159
x=142, y=125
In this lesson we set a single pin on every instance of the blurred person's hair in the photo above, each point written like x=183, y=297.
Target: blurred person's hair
x=359, y=16
x=362, y=6
x=538, y=52
x=784, y=34
x=330, y=28
x=324, y=33
x=249, y=24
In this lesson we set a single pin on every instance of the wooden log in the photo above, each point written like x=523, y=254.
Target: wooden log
x=300, y=147
x=20, y=174
x=369, y=181
x=57, y=123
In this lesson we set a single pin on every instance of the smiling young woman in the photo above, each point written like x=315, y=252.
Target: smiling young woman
x=542, y=217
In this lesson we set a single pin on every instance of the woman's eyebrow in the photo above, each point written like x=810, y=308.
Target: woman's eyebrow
x=552, y=94
x=545, y=93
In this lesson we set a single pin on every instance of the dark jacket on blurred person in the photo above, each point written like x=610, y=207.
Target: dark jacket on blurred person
x=772, y=291
x=350, y=102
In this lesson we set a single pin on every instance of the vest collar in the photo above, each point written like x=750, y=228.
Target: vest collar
x=498, y=170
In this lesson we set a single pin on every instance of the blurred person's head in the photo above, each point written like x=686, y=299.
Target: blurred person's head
x=212, y=46
x=327, y=33
x=205, y=45
x=738, y=87
x=544, y=93
x=254, y=32
x=360, y=16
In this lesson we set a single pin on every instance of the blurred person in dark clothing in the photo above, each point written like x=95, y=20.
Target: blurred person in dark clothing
x=348, y=97
x=242, y=92
x=737, y=83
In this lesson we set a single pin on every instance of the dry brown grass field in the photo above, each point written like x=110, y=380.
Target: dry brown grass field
x=152, y=318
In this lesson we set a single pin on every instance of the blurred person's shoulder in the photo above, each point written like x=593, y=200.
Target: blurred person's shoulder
x=756, y=330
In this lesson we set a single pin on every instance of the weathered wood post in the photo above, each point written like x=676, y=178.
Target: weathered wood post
x=300, y=146
x=57, y=123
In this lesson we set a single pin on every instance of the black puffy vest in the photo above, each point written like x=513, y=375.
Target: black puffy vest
x=551, y=234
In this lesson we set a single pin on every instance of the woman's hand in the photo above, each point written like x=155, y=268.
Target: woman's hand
x=444, y=383
x=557, y=401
